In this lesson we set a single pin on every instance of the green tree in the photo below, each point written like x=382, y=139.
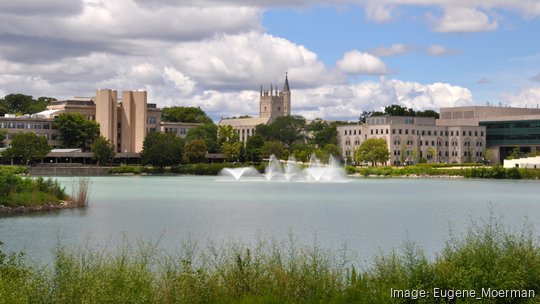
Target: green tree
x=185, y=114
x=428, y=113
x=274, y=147
x=253, y=148
x=103, y=150
x=302, y=151
x=23, y=104
x=373, y=150
x=231, y=150
x=75, y=131
x=288, y=129
x=226, y=134
x=208, y=133
x=3, y=136
x=195, y=151
x=263, y=131
x=162, y=149
x=365, y=114
x=430, y=153
x=397, y=110
x=28, y=146
x=515, y=154
x=322, y=133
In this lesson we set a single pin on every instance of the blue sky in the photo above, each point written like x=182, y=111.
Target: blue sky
x=342, y=56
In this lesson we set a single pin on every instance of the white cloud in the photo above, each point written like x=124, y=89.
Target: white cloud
x=527, y=97
x=464, y=19
x=355, y=62
x=394, y=49
x=439, y=50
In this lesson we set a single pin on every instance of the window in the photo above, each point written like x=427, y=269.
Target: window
x=371, y=131
x=429, y=132
x=451, y=133
x=407, y=131
x=3, y=125
x=470, y=133
x=152, y=120
x=46, y=126
x=20, y=125
x=399, y=131
x=423, y=132
x=435, y=133
x=11, y=125
x=393, y=131
x=386, y=131
x=354, y=132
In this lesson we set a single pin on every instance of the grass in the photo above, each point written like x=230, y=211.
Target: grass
x=496, y=172
x=487, y=256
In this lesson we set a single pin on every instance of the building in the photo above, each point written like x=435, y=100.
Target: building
x=272, y=104
x=506, y=127
x=412, y=138
x=180, y=129
x=124, y=122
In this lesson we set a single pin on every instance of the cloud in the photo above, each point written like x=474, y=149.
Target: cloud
x=535, y=78
x=348, y=101
x=394, y=49
x=48, y=8
x=439, y=50
x=483, y=81
x=527, y=97
x=464, y=20
x=355, y=62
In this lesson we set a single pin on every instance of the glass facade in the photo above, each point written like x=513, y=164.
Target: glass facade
x=512, y=133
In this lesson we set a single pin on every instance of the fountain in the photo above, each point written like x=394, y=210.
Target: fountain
x=291, y=171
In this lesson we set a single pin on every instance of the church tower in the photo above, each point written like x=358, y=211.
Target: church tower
x=273, y=104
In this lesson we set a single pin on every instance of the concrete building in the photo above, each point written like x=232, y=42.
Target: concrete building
x=272, y=104
x=506, y=127
x=180, y=129
x=412, y=138
x=124, y=122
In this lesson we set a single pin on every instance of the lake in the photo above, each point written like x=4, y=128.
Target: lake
x=367, y=215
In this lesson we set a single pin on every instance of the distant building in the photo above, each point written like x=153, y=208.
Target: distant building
x=272, y=104
x=461, y=134
x=125, y=123
x=412, y=138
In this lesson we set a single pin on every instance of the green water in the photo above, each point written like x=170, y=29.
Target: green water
x=365, y=215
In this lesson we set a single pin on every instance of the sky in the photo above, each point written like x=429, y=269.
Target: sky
x=342, y=57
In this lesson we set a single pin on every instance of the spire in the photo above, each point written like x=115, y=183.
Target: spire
x=286, y=85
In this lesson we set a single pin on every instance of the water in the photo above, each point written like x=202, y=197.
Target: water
x=366, y=215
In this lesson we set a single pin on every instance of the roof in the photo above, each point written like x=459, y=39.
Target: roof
x=241, y=122
x=48, y=113
x=286, y=85
x=73, y=150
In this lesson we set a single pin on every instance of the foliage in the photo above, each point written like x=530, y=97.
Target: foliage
x=23, y=104
x=428, y=113
x=373, y=150
x=127, y=169
x=397, y=110
x=253, y=148
x=274, y=147
x=208, y=133
x=3, y=136
x=322, y=133
x=75, y=131
x=226, y=134
x=489, y=255
x=327, y=151
x=515, y=154
x=162, y=149
x=202, y=168
x=185, y=114
x=195, y=151
x=17, y=191
x=231, y=150
x=28, y=146
x=287, y=130
x=103, y=150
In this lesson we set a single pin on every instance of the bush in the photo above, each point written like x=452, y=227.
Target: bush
x=127, y=169
x=18, y=191
x=203, y=168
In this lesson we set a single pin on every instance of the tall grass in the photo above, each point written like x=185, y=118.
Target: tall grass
x=81, y=191
x=487, y=256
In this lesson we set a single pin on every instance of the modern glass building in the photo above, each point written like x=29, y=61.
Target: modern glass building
x=508, y=135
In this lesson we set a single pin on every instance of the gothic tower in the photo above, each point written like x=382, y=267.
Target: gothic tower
x=273, y=104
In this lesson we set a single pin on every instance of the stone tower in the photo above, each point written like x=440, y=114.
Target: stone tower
x=273, y=103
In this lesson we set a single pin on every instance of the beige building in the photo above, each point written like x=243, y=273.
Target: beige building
x=272, y=104
x=180, y=129
x=412, y=138
x=124, y=122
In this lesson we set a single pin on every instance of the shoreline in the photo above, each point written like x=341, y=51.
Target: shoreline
x=6, y=210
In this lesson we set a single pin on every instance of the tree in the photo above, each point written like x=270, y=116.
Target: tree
x=287, y=129
x=28, y=146
x=397, y=110
x=365, y=114
x=253, y=148
x=273, y=147
x=430, y=153
x=185, y=114
x=195, y=151
x=515, y=154
x=103, y=150
x=324, y=154
x=226, y=134
x=373, y=150
x=208, y=133
x=23, y=104
x=3, y=136
x=162, y=149
x=428, y=113
x=322, y=133
x=75, y=131
x=263, y=131
x=231, y=150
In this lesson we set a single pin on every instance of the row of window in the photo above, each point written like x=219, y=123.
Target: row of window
x=413, y=132
x=179, y=131
x=24, y=125
x=48, y=136
x=397, y=142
